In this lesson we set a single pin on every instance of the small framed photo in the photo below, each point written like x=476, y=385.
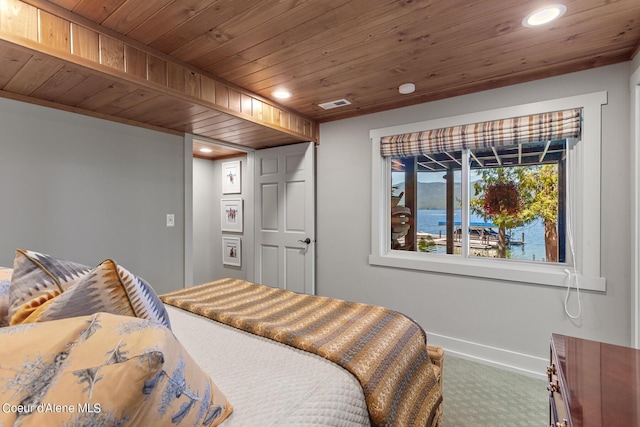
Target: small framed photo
x=231, y=215
x=231, y=251
x=231, y=177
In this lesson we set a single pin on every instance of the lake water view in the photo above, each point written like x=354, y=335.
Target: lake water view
x=532, y=250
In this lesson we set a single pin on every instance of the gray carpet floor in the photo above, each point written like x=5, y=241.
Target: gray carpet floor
x=477, y=395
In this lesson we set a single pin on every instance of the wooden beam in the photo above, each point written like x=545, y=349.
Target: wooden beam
x=449, y=180
x=44, y=28
x=411, y=202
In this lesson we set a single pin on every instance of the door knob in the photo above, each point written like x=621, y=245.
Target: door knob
x=307, y=241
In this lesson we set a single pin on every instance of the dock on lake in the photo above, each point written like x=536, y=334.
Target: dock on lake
x=481, y=236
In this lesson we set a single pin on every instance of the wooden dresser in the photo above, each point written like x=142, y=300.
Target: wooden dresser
x=593, y=384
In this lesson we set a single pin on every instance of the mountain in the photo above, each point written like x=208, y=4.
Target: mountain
x=431, y=195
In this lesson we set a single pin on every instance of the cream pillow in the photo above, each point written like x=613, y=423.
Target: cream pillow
x=45, y=288
x=107, y=288
x=36, y=279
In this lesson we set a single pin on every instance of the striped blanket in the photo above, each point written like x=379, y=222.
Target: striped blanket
x=383, y=349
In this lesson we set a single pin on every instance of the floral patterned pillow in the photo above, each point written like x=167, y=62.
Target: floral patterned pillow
x=103, y=369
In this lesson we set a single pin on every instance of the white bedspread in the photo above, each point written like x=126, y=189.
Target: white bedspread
x=268, y=383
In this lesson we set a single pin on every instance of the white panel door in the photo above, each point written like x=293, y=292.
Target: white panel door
x=285, y=217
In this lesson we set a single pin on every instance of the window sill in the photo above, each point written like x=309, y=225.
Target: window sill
x=512, y=271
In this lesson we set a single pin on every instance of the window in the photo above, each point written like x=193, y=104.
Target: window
x=516, y=203
x=423, y=199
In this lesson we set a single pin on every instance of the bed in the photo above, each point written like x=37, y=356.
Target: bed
x=262, y=366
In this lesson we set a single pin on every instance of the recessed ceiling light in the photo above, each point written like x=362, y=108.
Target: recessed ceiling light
x=205, y=150
x=544, y=15
x=406, y=88
x=282, y=94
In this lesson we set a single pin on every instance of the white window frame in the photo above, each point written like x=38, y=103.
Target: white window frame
x=635, y=138
x=585, y=203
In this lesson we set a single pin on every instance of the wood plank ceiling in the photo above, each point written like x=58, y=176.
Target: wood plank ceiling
x=210, y=67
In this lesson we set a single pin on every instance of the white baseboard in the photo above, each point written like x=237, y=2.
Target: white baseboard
x=525, y=364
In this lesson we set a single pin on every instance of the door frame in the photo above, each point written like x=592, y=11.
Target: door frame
x=634, y=83
x=248, y=238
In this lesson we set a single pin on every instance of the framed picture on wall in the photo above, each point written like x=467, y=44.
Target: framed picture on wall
x=231, y=177
x=231, y=215
x=231, y=251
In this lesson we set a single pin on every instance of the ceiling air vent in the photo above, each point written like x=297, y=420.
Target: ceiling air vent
x=334, y=104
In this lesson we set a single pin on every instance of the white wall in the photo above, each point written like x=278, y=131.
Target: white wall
x=207, y=236
x=86, y=189
x=501, y=322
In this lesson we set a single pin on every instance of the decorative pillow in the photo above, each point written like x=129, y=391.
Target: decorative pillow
x=106, y=288
x=103, y=370
x=36, y=279
x=5, y=280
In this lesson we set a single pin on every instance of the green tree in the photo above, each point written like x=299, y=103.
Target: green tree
x=541, y=183
x=502, y=216
x=538, y=187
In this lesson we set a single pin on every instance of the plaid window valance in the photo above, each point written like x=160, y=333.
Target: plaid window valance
x=504, y=132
